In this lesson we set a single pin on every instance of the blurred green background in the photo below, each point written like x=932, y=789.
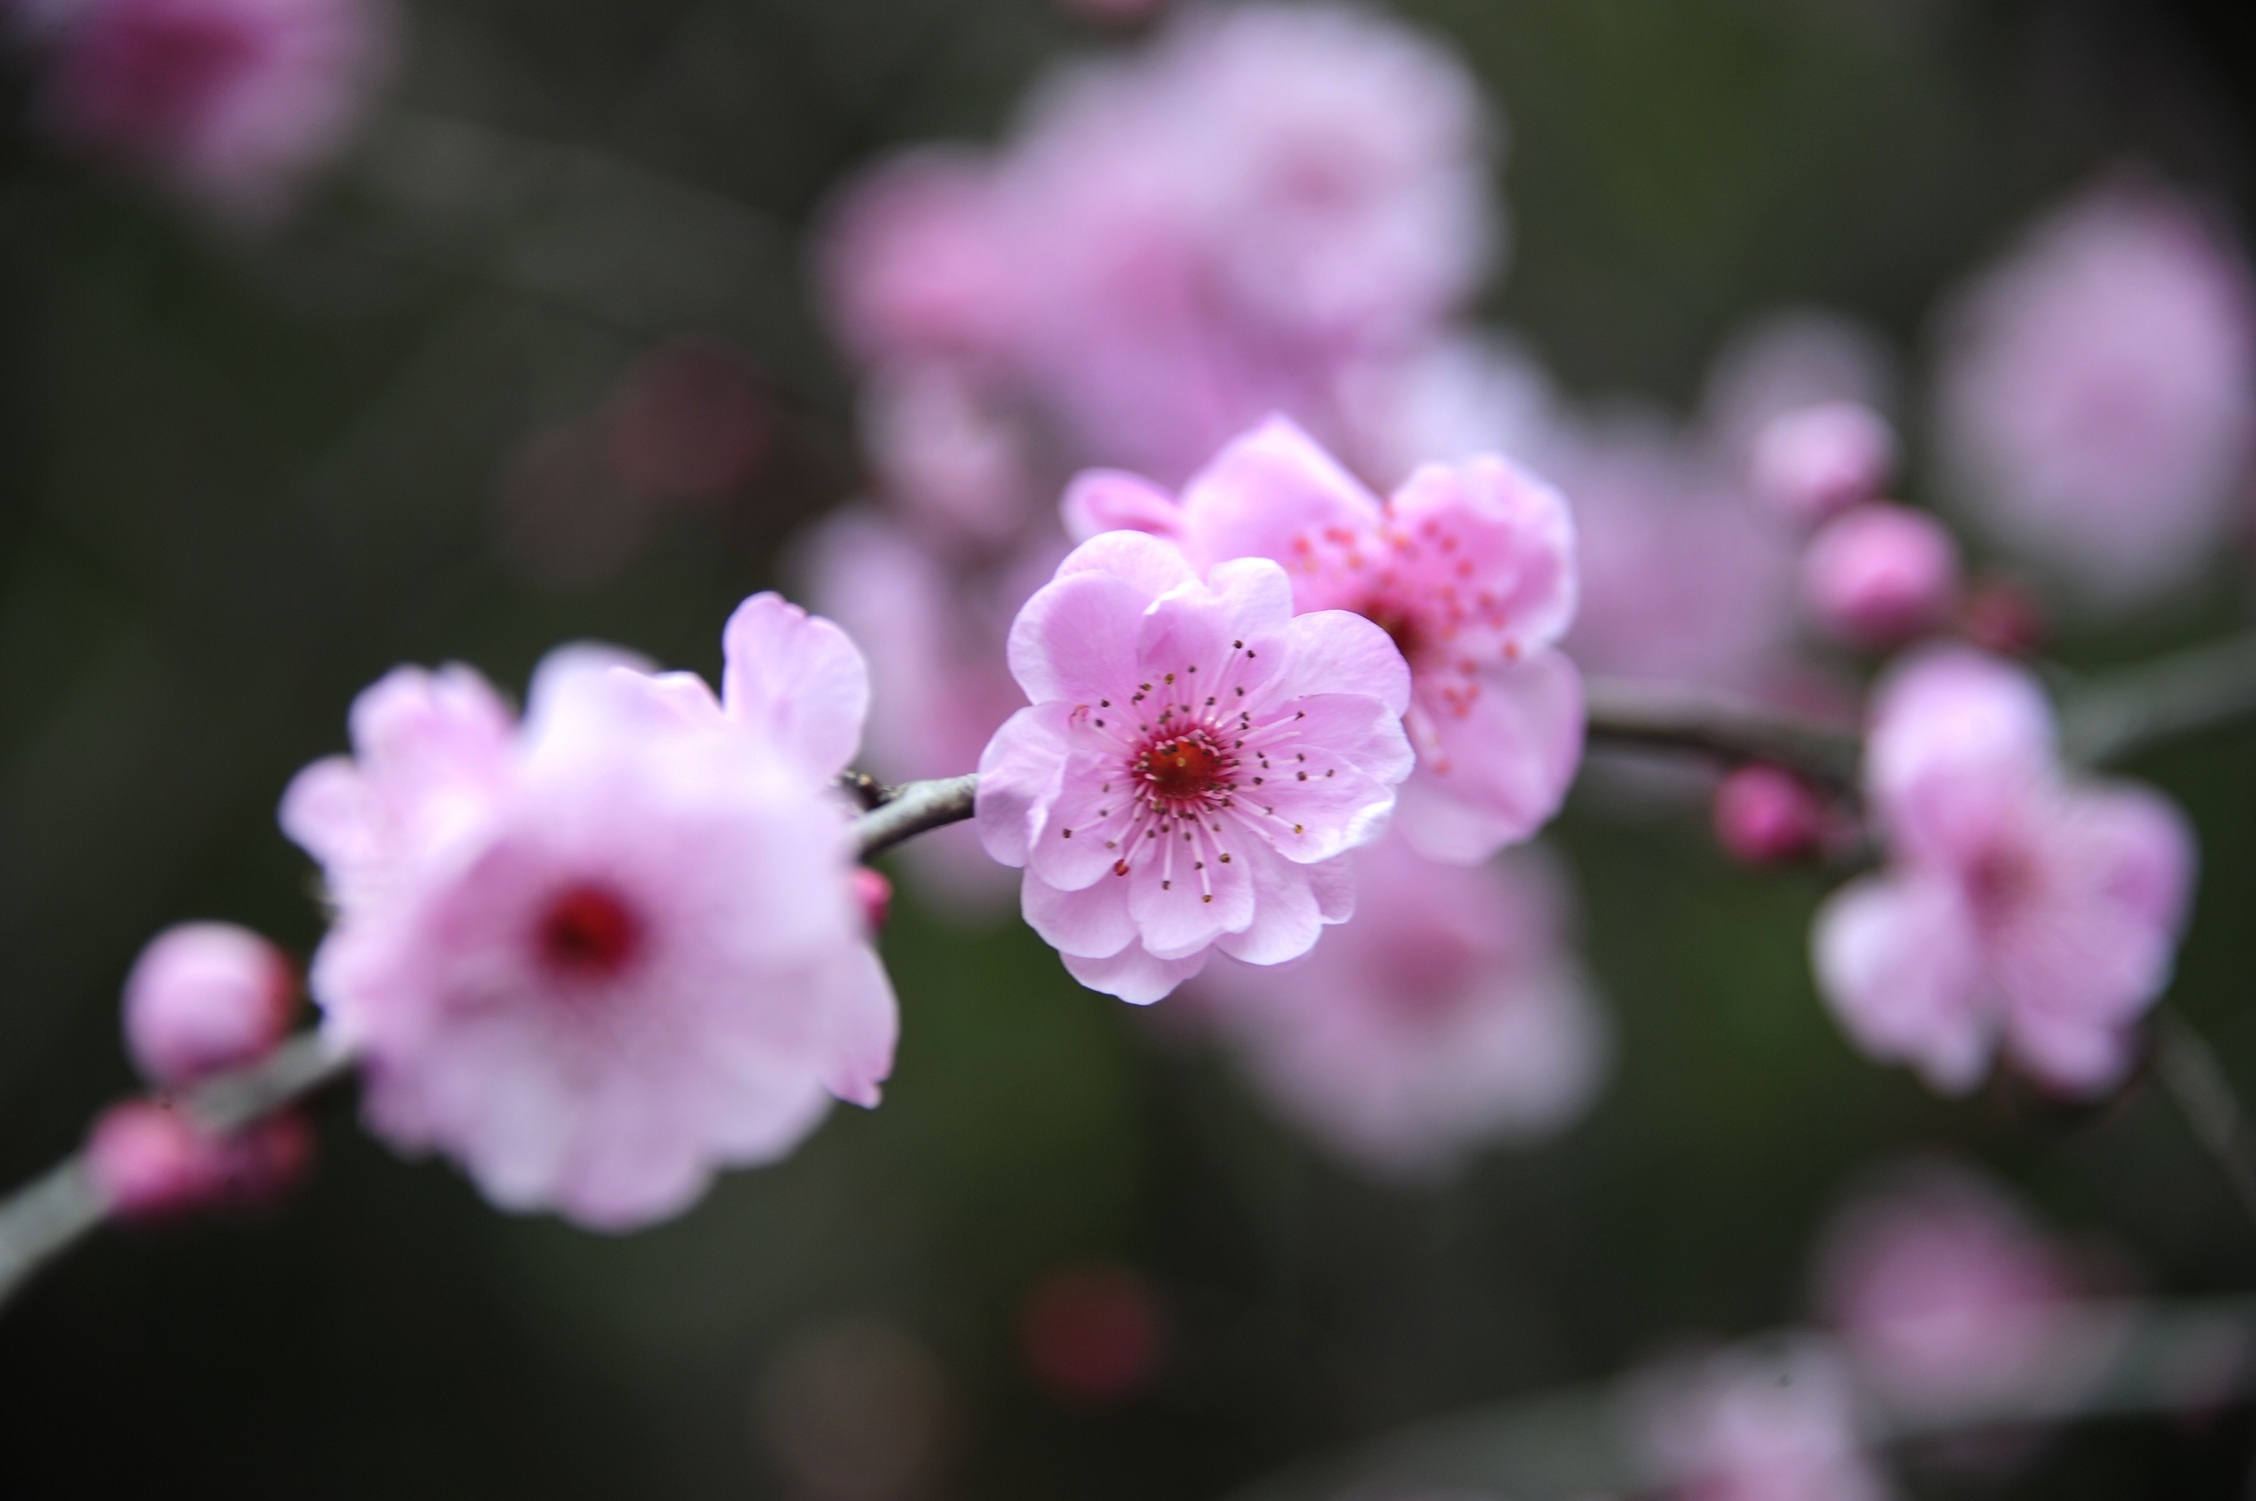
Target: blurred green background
x=239, y=480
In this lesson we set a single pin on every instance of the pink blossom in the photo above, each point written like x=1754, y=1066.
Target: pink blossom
x=597, y=954
x=1817, y=461
x=1450, y=1013
x=1766, y=815
x=1878, y=575
x=204, y=997
x=232, y=102
x=1183, y=240
x=950, y=454
x=1945, y=1294
x=2098, y=394
x=1195, y=760
x=2023, y=908
x=148, y=1160
x=1683, y=578
x=1469, y=567
x=1778, y=1424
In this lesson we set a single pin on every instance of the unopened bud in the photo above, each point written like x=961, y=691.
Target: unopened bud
x=1766, y=815
x=1818, y=461
x=874, y=894
x=151, y=1160
x=2001, y=616
x=1879, y=575
x=204, y=997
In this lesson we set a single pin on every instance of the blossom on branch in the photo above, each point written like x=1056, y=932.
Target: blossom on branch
x=599, y=953
x=1469, y=567
x=2024, y=910
x=1194, y=763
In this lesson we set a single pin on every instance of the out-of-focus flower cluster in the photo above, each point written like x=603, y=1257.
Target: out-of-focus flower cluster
x=229, y=103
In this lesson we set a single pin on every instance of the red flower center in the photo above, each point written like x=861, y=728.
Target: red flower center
x=588, y=931
x=1183, y=771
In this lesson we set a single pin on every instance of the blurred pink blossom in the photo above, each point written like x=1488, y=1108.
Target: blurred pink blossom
x=1449, y=1014
x=950, y=455
x=1778, y=1424
x=1683, y=578
x=1817, y=461
x=1878, y=575
x=1181, y=241
x=231, y=102
x=1945, y=1295
x=1469, y=568
x=204, y=997
x=1195, y=760
x=597, y=954
x=2023, y=908
x=2098, y=394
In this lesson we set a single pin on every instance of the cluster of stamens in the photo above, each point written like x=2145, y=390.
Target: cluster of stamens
x=1186, y=766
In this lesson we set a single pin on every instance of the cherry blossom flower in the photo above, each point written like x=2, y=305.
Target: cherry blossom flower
x=204, y=997
x=1777, y=1424
x=2098, y=395
x=1878, y=575
x=1944, y=1292
x=1195, y=760
x=1469, y=567
x=1180, y=241
x=596, y=954
x=2024, y=909
x=1449, y=1014
x=231, y=102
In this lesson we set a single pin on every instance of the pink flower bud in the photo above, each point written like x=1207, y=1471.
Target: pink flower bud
x=1818, y=461
x=1999, y=615
x=874, y=894
x=1766, y=815
x=205, y=997
x=1880, y=575
x=150, y=1160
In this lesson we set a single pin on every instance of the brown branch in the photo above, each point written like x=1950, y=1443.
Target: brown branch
x=1679, y=717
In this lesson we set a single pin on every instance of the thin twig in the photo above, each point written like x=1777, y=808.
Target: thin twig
x=2115, y=718
x=2188, y=1068
x=1668, y=716
x=2140, y=708
x=916, y=809
x=55, y=1211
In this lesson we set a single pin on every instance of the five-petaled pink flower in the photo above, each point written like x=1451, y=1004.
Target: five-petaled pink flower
x=1470, y=569
x=595, y=955
x=1195, y=760
x=2023, y=908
